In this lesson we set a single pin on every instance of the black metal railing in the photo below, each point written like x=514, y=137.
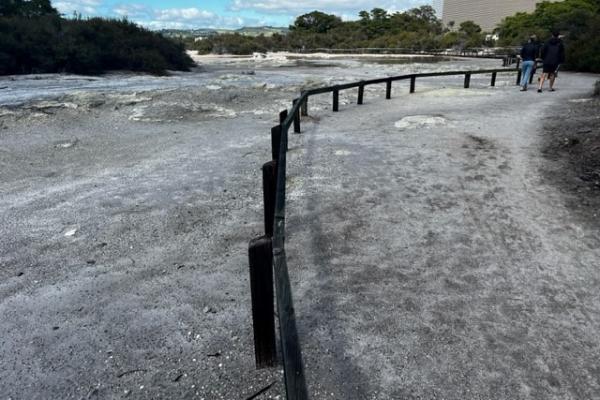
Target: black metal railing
x=267, y=253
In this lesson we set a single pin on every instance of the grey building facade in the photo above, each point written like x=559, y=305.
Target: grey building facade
x=486, y=13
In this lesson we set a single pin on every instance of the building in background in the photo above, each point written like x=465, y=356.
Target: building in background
x=486, y=13
x=438, y=6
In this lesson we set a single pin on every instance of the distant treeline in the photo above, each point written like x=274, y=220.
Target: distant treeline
x=420, y=30
x=417, y=29
x=34, y=38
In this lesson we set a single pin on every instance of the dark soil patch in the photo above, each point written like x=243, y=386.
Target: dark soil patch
x=572, y=147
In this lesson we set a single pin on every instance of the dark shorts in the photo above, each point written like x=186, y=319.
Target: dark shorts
x=550, y=68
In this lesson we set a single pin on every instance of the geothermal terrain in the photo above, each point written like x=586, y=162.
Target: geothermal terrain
x=431, y=254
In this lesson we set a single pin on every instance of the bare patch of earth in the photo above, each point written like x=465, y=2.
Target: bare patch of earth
x=572, y=148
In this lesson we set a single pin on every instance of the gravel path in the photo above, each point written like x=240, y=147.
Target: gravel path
x=430, y=258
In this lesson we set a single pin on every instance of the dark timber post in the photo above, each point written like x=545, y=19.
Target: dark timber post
x=269, y=171
x=304, y=110
x=275, y=142
x=467, y=80
x=388, y=89
x=494, y=74
x=519, y=72
x=361, y=93
x=282, y=116
x=296, y=117
x=260, y=254
x=336, y=100
x=413, y=81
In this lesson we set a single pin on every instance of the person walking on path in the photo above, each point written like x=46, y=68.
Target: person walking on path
x=529, y=54
x=553, y=54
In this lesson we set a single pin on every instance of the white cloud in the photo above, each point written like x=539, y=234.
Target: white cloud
x=339, y=7
x=132, y=10
x=183, y=14
x=88, y=7
x=178, y=18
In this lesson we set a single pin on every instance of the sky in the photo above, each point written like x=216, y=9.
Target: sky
x=230, y=14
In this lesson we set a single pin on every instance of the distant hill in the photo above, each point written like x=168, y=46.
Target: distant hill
x=262, y=30
x=207, y=32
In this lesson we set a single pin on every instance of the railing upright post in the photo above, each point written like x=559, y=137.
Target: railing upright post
x=275, y=142
x=361, y=93
x=519, y=75
x=260, y=254
x=296, y=116
x=269, y=172
x=413, y=81
x=282, y=116
x=304, y=109
x=494, y=74
x=467, y=80
x=336, y=100
x=388, y=89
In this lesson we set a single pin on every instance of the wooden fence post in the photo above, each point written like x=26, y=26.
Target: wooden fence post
x=467, y=80
x=361, y=93
x=304, y=111
x=269, y=172
x=388, y=89
x=275, y=142
x=494, y=74
x=282, y=116
x=413, y=81
x=336, y=100
x=296, y=117
x=260, y=254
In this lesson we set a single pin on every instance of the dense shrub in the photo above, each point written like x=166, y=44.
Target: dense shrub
x=577, y=20
x=232, y=44
x=49, y=43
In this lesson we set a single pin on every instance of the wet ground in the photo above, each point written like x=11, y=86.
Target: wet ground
x=430, y=257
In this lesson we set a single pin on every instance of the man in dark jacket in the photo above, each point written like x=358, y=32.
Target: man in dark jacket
x=529, y=55
x=553, y=54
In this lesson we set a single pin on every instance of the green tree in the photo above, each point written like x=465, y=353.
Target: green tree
x=470, y=34
x=317, y=22
x=26, y=8
x=379, y=15
x=364, y=16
